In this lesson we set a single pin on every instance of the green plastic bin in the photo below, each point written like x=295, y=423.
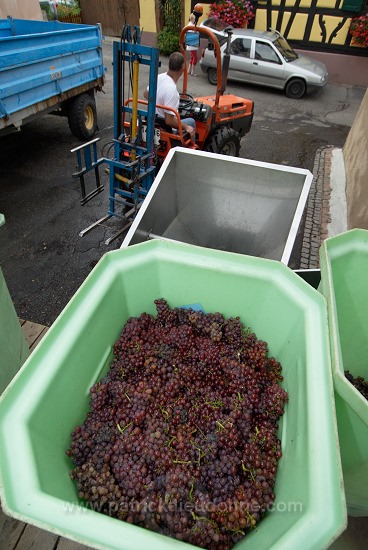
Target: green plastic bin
x=13, y=345
x=344, y=268
x=50, y=395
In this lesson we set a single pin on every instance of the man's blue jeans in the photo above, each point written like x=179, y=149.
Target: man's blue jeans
x=189, y=121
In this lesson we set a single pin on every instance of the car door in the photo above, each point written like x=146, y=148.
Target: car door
x=240, y=67
x=267, y=65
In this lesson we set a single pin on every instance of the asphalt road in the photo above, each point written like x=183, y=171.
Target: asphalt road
x=44, y=260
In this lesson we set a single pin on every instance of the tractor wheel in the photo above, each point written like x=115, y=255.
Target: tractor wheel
x=295, y=88
x=82, y=117
x=224, y=141
x=212, y=76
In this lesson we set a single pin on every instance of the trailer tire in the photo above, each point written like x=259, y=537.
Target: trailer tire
x=212, y=76
x=82, y=117
x=224, y=141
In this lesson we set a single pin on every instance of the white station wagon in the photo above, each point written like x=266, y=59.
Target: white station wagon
x=264, y=58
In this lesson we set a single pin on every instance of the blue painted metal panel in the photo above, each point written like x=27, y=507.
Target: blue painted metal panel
x=41, y=59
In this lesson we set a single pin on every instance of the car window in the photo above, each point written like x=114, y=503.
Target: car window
x=265, y=52
x=285, y=49
x=215, y=24
x=241, y=47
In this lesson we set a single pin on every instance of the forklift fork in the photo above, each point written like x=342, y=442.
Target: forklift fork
x=86, y=161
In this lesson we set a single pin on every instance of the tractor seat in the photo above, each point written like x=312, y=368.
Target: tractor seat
x=160, y=121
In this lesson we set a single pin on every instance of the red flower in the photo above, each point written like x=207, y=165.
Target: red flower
x=359, y=29
x=233, y=12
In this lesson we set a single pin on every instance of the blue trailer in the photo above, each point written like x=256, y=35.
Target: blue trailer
x=50, y=67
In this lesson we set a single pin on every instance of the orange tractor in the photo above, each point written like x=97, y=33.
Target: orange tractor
x=221, y=119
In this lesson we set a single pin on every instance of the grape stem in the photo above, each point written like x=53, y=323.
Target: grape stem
x=204, y=518
x=251, y=472
x=121, y=430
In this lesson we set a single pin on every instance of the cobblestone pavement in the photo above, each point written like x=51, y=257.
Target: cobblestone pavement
x=318, y=213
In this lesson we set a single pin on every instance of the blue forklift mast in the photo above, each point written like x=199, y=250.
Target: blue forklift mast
x=131, y=169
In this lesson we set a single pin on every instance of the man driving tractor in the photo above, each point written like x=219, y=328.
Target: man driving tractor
x=167, y=95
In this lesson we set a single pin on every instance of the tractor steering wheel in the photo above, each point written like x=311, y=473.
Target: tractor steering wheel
x=186, y=102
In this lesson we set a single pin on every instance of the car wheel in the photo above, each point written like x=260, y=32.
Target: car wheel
x=295, y=88
x=212, y=76
x=82, y=117
x=224, y=141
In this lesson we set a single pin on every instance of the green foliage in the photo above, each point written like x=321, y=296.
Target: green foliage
x=171, y=10
x=71, y=8
x=168, y=41
x=173, y=14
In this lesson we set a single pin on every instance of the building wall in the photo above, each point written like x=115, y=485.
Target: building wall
x=147, y=19
x=111, y=14
x=20, y=9
x=349, y=70
x=320, y=23
x=355, y=153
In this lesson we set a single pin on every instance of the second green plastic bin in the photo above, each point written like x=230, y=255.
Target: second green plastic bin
x=344, y=283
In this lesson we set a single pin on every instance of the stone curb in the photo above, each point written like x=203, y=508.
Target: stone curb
x=317, y=209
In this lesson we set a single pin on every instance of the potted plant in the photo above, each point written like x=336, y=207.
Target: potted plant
x=236, y=13
x=359, y=31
